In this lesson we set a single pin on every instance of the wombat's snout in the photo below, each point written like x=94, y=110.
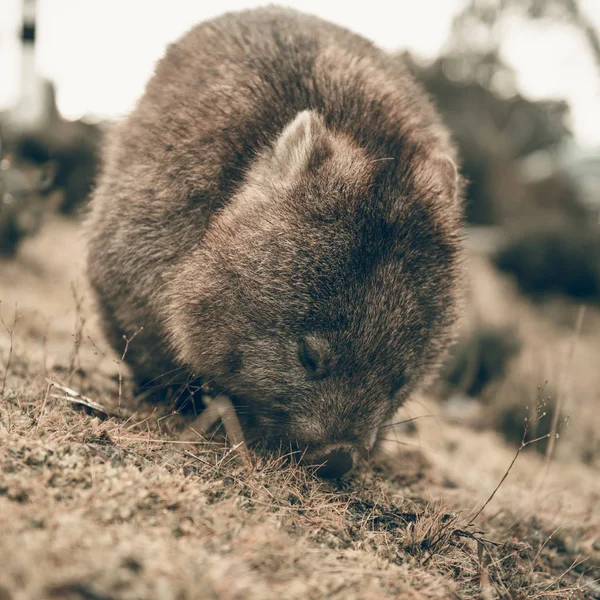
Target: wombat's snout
x=331, y=463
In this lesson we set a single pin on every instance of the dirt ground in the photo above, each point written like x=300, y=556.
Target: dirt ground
x=103, y=508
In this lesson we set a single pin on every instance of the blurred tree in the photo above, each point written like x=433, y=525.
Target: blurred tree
x=494, y=126
x=510, y=150
x=492, y=133
x=477, y=25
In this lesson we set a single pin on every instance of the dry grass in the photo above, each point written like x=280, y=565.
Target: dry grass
x=117, y=504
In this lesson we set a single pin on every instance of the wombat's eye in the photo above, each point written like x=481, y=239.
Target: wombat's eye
x=315, y=362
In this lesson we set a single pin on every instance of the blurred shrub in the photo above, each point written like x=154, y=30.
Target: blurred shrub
x=21, y=208
x=556, y=259
x=64, y=154
x=480, y=359
x=69, y=150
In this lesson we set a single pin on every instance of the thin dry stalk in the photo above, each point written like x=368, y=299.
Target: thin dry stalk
x=45, y=347
x=522, y=447
x=98, y=350
x=539, y=552
x=10, y=330
x=138, y=424
x=196, y=457
x=487, y=592
x=159, y=441
x=39, y=419
x=80, y=322
x=573, y=565
x=119, y=366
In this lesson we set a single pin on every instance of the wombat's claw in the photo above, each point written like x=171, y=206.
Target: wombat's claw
x=221, y=408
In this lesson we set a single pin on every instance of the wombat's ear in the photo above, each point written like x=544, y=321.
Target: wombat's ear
x=299, y=141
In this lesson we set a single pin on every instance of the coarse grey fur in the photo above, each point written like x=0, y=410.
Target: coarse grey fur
x=281, y=214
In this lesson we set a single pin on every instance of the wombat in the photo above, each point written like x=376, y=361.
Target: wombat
x=280, y=217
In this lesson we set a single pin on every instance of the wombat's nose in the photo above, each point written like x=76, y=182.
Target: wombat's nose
x=334, y=464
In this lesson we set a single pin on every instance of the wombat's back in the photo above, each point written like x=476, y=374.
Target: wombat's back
x=222, y=94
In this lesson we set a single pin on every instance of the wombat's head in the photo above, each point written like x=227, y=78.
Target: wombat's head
x=324, y=292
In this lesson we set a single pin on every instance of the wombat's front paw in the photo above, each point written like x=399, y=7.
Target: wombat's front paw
x=218, y=408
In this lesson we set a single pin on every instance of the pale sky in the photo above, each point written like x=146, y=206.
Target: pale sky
x=100, y=53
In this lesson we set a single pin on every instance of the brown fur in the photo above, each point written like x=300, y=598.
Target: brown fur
x=281, y=214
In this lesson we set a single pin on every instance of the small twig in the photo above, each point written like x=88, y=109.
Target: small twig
x=75, y=397
x=91, y=341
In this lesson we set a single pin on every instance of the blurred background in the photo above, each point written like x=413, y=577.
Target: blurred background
x=517, y=82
